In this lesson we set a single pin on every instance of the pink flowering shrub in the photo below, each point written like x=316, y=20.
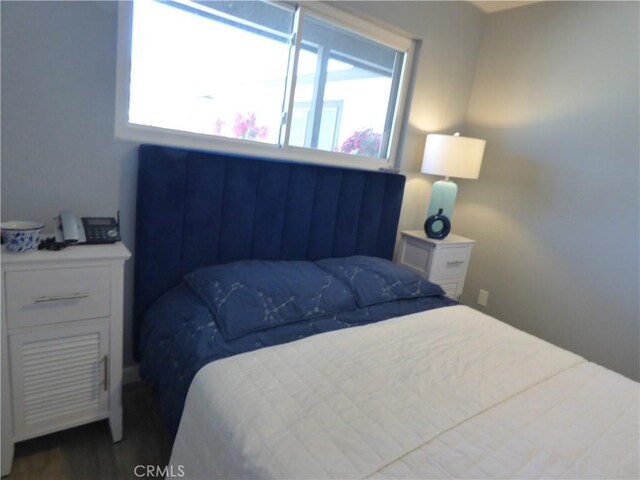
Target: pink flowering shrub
x=363, y=142
x=218, y=126
x=245, y=127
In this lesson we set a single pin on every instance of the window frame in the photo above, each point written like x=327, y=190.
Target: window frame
x=338, y=17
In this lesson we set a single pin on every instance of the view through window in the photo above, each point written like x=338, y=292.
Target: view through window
x=225, y=69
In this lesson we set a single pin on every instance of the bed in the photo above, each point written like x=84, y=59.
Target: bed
x=283, y=343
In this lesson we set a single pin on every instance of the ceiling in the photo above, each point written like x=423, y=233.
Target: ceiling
x=496, y=5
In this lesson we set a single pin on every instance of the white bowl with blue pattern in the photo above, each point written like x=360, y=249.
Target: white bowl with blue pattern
x=21, y=236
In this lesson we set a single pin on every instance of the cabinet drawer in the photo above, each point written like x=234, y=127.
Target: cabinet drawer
x=451, y=262
x=415, y=255
x=37, y=297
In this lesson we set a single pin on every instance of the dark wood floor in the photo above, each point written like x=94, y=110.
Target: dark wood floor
x=87, y=452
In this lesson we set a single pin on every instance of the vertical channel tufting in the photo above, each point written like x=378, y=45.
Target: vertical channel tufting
x=298, y=211
x=241, y=177
x=219, y=208
x=390, y=215
x=181, y=226
x=162, y=206
x=200, y=208
x=284, y=212
x=325, y=210
x=203, y=203
x=271, y=198
x=369, y=221
x=159, y=208
x=351, y=193
x=335, y=230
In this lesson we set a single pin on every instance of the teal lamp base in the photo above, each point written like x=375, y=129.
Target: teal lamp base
x=443, y=196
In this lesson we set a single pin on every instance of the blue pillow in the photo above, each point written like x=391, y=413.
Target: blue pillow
x=253, y=295
x=376, y=280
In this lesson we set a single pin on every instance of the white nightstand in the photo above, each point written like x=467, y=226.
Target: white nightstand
x=443, y=262
x=61, y=341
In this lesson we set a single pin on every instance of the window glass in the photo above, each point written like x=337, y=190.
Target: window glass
x=197, y=70
x=225, y=69
x=350, y=83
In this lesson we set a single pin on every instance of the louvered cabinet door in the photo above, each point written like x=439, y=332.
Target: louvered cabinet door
x=60, y=376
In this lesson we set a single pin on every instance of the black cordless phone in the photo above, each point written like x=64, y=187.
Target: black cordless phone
x=101, y=229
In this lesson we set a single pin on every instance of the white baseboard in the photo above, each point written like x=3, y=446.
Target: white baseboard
x=130, y=374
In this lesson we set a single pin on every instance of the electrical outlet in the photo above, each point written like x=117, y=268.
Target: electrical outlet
x=483, y=298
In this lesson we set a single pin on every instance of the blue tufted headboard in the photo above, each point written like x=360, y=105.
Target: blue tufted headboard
x=199, y=208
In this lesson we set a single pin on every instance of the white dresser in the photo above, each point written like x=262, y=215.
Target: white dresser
x=444, y=262
x=61, y=341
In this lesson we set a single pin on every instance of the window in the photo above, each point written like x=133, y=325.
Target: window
x=292, y=81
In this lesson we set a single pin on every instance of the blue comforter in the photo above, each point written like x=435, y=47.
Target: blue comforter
x=180, y=335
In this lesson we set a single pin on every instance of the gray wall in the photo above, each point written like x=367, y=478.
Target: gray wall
x=58, y=84
x=58, y=100
x=450, y=34
x=556, y=208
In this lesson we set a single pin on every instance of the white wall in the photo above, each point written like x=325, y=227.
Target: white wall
x=58, y=74
x=556, y=209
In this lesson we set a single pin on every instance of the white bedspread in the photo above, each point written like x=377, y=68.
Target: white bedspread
x=449, y=393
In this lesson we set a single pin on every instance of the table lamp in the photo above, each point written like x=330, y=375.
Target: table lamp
x=450, y=156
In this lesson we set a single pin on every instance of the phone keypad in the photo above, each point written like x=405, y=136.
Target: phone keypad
x=99, y=234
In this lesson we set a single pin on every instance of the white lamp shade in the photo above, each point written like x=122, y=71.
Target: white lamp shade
x=453, y=156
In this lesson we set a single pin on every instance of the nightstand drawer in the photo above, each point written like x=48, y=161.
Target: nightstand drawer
x=37, y=297
x=414, y=255
x=452, y=262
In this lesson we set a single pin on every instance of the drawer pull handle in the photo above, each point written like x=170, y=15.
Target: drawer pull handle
x=55, y=298
x=455, y=262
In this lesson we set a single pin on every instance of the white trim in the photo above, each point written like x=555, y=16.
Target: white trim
x=407, y=99
x=400, y=120
x=174, y=138
x=239, y=20
x=289, y=99
x=163, y=136
x=357, y=25
x=131, y=374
